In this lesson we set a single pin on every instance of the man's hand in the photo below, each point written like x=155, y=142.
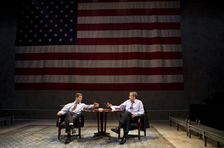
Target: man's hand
x=95, y=104
x=133, y=115
x=108, y=104
x=59, y=113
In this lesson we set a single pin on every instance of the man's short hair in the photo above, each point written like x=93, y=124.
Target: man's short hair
x=134, y=94
x=77, y=95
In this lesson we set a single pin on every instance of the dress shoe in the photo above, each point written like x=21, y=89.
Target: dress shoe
x=116, y=130
x=68, y=140
x=123, y=140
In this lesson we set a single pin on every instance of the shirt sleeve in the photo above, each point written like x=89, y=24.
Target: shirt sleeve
x=122, y=106
x=141, y=109
x=88, y=106
x=65, y=109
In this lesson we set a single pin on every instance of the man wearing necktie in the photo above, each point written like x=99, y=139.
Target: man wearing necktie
x=72, y=112
x=133, y=108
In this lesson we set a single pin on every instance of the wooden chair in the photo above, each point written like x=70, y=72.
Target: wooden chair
x=61, y=124
x=141, y=125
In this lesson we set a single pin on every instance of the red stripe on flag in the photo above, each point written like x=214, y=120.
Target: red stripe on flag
x=100, y=87
x=128, y=12
x=100, y=71
x=129, y=41
x=101, y=1
x=129, y=26
x=99, y=56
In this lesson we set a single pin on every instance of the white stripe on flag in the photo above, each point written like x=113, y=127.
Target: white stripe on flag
x=128, y=33
x=128, y=19
x=127, y=5
x=99, y=79
x=99, y=48
x=98, y=63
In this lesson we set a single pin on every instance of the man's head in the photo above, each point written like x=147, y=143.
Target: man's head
x=78, y=97
x=132, y=96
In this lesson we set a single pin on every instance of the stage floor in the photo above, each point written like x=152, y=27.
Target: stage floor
x=177, y=138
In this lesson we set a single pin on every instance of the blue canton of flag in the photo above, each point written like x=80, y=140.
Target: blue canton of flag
x=47, y=22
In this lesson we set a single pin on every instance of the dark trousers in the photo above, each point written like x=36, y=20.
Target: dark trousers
x=70, y=117
x=125, y=120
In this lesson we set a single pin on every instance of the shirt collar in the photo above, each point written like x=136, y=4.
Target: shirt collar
x=134, y=101
x=76, y=102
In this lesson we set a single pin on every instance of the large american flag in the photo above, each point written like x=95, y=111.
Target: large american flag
x=112, y=45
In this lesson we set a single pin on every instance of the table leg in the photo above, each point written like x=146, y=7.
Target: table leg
x=98, y=122
x=102, y=133
x=105, y=126
x=105, y=121
x=101, y=115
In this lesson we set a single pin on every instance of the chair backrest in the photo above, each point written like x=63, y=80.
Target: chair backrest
x=145, y=118
x=82, y=120
x=145, y=114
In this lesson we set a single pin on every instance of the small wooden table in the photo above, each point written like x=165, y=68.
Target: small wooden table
x=101, y=132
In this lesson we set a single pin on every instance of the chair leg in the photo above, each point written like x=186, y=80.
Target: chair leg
x=59, y=133
x=139, y=133
x=79, y=132
x=80, y=120
x=59, y=128
x=145, y=132
x=218, y=144
x=205, y=141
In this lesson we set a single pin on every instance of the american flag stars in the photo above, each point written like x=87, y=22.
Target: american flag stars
x=47, y=22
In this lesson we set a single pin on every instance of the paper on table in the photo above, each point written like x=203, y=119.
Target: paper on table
x=113, y=108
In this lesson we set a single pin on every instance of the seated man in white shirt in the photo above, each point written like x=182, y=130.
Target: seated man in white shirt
x=72, y=111
x=134, y=108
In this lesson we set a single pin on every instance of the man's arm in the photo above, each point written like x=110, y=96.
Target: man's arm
x=91, y=106
x=141, y=109
x=121, y=107
x=64, y=110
